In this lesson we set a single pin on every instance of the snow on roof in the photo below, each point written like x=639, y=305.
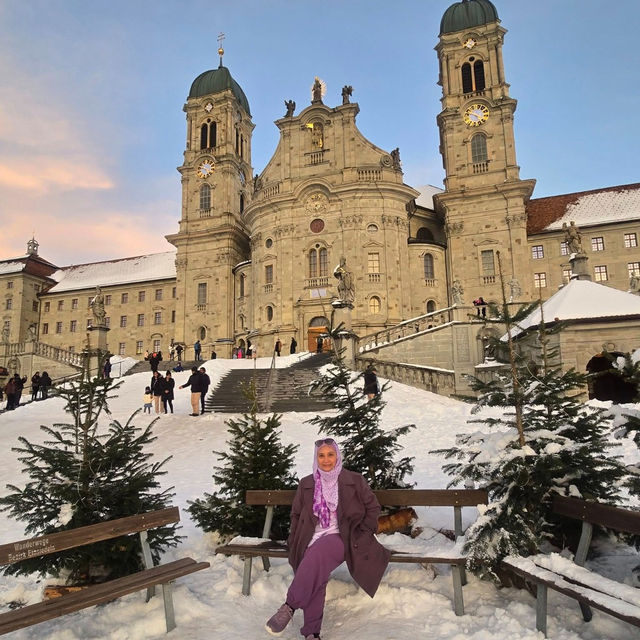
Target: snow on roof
x=12, y=266
x=581, y=300
x=157, y=266
x=425, y=199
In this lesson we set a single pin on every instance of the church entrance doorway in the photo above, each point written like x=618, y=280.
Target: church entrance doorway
x=318, y=335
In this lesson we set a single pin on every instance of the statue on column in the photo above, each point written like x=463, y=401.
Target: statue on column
x=346, y=291
x=515, y=290
x=97, y=308
x=572, y=237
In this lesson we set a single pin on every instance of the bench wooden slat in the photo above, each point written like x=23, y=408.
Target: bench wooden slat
x=97, y=594
x=600, y=514
x=43, y=545
x=387, y=497
x=580, y=596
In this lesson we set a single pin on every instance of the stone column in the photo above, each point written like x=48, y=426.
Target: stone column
x=97, y=350
x=347, y=339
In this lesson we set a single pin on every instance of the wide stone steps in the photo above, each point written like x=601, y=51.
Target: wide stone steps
x=289, y=388
x=166, y=365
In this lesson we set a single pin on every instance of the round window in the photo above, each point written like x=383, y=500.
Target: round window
x=268, y=243
x=317, y=225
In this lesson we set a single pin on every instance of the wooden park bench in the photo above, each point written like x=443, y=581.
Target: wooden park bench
x=552, y=571
x=388, y=498
x=99, y=593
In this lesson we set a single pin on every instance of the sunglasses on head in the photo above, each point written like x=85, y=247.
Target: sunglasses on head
x=319, y=443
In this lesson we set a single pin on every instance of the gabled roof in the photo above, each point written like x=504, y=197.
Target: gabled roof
x=583, y=300
x=585, y=208
x=32, y=264
x=157, y=266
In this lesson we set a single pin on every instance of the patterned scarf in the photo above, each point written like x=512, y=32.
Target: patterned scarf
x=325, y=492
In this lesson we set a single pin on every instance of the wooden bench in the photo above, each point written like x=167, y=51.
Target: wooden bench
x=570, y=577
x=104, y=592
x=388, y=498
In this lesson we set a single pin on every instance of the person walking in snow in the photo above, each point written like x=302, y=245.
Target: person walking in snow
x=293, y=345
x=371, y=387
x=278, y=347
x=179, y=351
x=35, y=385
x=196, y=382
x=197, y=348
x=169, y=385
x=147, y=398
x=157, y=389
x=206, y=381
x=45, y=384
x=323, y=536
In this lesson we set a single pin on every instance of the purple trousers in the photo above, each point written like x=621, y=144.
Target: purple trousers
x=309, y=586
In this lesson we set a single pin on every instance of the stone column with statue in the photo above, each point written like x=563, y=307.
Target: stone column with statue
x=97, y=336
x=342, y=308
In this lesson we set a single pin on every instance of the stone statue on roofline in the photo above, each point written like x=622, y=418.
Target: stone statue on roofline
x=97, y=308
x=347, y=90
x=572, y=237
x=291, y=107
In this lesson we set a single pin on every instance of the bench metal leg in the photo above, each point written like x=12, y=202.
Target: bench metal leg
x=169, y=613
x=458, y=602
x=457, y=527
x=246, y=578
x=266, y=532
x=580, y=559
x=147, y=560
x=587, y=614
x=541, y=609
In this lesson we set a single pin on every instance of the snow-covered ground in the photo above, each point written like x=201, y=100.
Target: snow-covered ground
x=410, y=603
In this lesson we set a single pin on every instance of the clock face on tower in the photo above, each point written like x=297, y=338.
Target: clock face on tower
x=476, y=114
x=205, y=168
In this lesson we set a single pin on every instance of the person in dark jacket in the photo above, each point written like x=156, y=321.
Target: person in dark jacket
x=19, y=382
x=169, y=385
x=206, y=381
x=10, y=390
x=334, y=517
x=196, y=383
x=293, y=345
x=371, y=387
x=35, y=385
x=154, y=360
x=45, y=384
x=278, y=347
x=157, y=389
x=197, y=349
x=179, y=349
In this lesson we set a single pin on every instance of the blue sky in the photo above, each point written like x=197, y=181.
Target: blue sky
x=92, y=128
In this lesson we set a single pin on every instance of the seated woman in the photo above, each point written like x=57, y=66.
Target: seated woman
x=333, y=518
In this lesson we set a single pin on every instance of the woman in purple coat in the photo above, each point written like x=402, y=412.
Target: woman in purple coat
x=333, y=518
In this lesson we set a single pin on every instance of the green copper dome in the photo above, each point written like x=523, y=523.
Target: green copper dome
x=466, y=14
x=216, y=81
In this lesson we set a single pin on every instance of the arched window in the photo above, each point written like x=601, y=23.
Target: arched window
x=241, y=323
x=374, y=304
x=203, y=333
x=204, y=135
x=429, y=273
x=424, y=234
x=313, y=263
x=479, y=148
x=323, y=266
x=242, y=284
x=269, y=313
x=205, y=196
x=213, y=134
x=473, y=77
x=317, y=135
x=237, y=141
x=478, y=75
x=431, y=306
x=241, y=202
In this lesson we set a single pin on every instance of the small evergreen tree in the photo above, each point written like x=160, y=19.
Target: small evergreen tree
x=78, y=477
x=544, y=442
x=256, y=459
x=366, y=447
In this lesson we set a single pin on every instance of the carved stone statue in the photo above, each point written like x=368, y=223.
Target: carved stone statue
x=457, y=292
x=634, y=284
x=347, y=90
x=572, y=237
x=97, y=308
x=291, y=107
x=316, y=91
x=5, y=335
x=346, y=291
x=32, y=330
x=395, y=157
x=515, y=290
x=257, y=184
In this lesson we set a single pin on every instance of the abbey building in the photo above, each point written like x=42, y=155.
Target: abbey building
x=254, y=254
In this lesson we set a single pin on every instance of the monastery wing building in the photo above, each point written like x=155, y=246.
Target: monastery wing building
x=255, y=255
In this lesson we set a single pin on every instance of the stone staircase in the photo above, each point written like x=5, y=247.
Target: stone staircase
x=166, y=365
x=289, y=388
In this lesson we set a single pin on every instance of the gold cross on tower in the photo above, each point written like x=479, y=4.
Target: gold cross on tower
x=221, y=37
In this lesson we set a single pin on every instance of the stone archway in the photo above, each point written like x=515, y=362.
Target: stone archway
x=606, y=384
x=318, y=329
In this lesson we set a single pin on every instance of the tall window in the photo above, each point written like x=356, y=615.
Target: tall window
x=597, y=244
x=123, y=321
x=479, y=148
x=121, y=347
x=156, y=345
x=58, y=327
x=313, y=263
x=107, y=299
x=107, y=321
x=45, y=328
x=323, y=263
x=373, y=263
x=268, y=274
x=564, y=249
x=73, y=326
x=141, y=319
x=9, y=304
x=566, y=275
x=47, y=307
x=74, y=303
x=157, y=318
x=173, y=315
x=488, y=264
x=202, y=293
x=374, y=304
x=473, y=76
x=537, y=252
x=630, y=240
x=540, y=280
x=634, y=269
x=205, y=196
x=10, y=284
x=124, y=298
x=141, y=296
x=431, y=306
x=208, y=135
x=139, y=346
x=158, y=294
x=34, y=305
x=269, y=313
x=174, y=292
x=242, y=284
x=60, y=305
x=600, y=273
x=429, y=273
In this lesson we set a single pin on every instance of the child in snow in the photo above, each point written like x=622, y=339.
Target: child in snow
x=147, y=398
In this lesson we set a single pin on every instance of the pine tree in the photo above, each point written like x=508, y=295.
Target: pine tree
x=79, y=476
x=366, y=447
x=256, y=459
x=545, y=442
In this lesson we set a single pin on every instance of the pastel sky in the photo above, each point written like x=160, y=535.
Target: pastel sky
x=91, y=96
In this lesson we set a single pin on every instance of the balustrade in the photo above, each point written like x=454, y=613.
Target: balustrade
x=268, y=288
x=369, y=175
x=480, y=167
x=206, y=213
x=488, y=279
x=315, y=283
x=375, y=277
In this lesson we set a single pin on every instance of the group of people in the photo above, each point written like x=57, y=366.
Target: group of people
x=160, y=392
x=40, y=385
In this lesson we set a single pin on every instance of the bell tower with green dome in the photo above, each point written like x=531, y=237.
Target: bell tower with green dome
x=484, y=199
x=216, y=187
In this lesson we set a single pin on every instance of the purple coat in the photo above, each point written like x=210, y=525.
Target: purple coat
x=358, y=511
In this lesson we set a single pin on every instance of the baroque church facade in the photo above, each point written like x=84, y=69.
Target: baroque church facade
x=255, y=255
